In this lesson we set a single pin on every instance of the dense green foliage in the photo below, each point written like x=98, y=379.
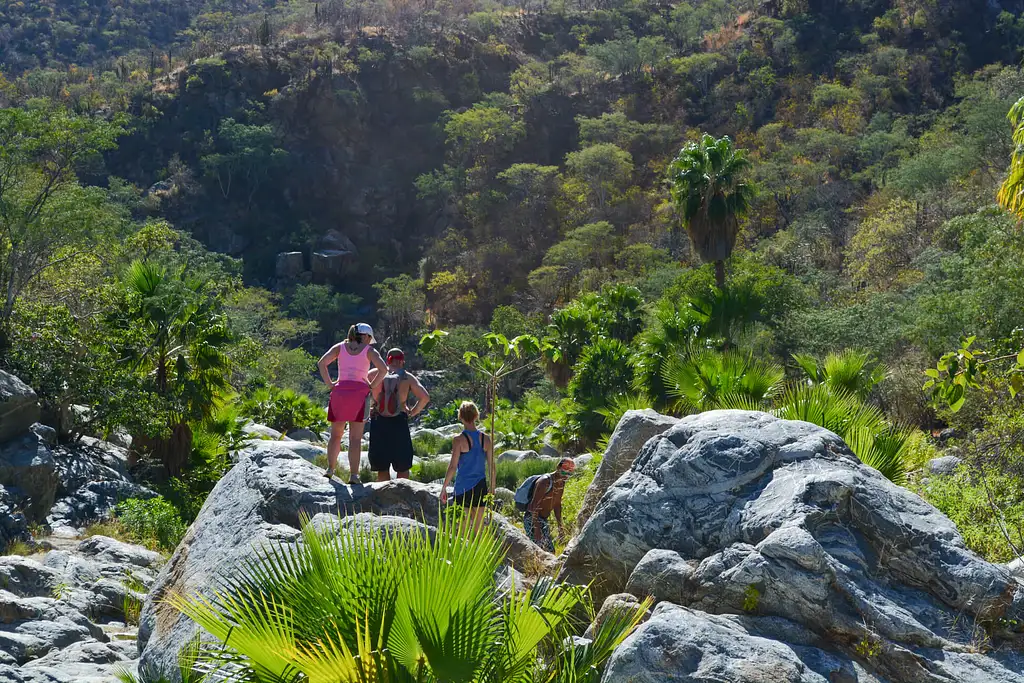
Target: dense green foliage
x=789, y=206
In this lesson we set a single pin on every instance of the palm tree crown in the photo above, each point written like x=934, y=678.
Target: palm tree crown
x=706, y=183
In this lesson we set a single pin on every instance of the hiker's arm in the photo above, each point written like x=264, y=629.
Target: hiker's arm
x=374, y=384
x=380, y=366
x=325, y=360
x=558, y=513
x=453, y=465
x=422, y=397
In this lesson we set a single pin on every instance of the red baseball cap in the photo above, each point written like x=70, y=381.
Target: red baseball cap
x=395, y=354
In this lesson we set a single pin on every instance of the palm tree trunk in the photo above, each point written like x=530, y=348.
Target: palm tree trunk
x=720, y=273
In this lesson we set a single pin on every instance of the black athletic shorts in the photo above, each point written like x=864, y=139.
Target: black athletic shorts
x=474, y=497
x=390, y=443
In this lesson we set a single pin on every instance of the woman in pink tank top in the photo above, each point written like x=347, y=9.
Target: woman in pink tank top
x=360, y=370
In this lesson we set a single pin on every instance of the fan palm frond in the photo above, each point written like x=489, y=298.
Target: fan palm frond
x=863, y=427
x=372, y=606
x=620, y=405
x=706, y=379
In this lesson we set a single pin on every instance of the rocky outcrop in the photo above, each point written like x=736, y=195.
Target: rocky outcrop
x=634, y=430
x=779, y=519
x=263, y=499
x=685, y=646
x=289, y=265
x=64, y=611
x=64, y=486
x=19, y=407
x=92, y=478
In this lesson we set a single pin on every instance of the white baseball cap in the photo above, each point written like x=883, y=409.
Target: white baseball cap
x=363, y=328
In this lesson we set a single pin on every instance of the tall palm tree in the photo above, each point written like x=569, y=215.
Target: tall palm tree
x=181, y=346
x=707, y=185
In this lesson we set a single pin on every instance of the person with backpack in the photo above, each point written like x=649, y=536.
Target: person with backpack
x=390, y=440
x=472, y=466
x=543, y=496
x=350, y=394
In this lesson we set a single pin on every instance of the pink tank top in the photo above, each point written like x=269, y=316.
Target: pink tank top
x=353, y=368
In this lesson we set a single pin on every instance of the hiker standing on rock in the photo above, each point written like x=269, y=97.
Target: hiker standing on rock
x=350, y=395
x=390, y=440
x=472, y=466
x=545, y=497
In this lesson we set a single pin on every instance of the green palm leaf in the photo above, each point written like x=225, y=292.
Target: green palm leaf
x=863, y=427
x=361, y=605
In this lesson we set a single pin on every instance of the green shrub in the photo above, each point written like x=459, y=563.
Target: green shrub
x=426, y=445
x=919, y=451
x=515, y=430
x=441, y=416
x=512, y=474
x=153, y=522
x=576, y=491
x=964, y=499
x=283, y=410
x=429, y=470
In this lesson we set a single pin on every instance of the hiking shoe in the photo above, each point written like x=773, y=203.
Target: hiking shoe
x=328, y=474
x=354, y=480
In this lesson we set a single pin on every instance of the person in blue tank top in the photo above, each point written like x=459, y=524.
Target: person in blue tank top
x=472, y=466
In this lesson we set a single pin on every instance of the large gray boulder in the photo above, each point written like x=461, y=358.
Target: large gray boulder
x=779, y=518
x=261, y=500
x=685, y=646
x=19, y=407
x=86, y=661
x=634, y=430
x=29, y=473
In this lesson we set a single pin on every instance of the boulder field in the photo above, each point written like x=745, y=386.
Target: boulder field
x=771, y=553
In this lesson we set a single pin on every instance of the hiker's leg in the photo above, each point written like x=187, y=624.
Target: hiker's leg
x=384, y=475
x=403, y=475
x=334, y=445
x=355, y=447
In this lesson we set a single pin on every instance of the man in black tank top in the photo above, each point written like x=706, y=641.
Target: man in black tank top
x=390, y=441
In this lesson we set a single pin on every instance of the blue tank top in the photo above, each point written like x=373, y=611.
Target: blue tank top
x=470, y=470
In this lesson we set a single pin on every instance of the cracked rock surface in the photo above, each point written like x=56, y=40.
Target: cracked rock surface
x=742, y=513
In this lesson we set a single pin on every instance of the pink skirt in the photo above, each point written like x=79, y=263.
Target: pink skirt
x=350, y=402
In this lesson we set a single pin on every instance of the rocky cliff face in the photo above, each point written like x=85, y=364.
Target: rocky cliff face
x=828, y=570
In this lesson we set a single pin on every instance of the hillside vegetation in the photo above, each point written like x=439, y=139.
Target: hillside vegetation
x=478, y=167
